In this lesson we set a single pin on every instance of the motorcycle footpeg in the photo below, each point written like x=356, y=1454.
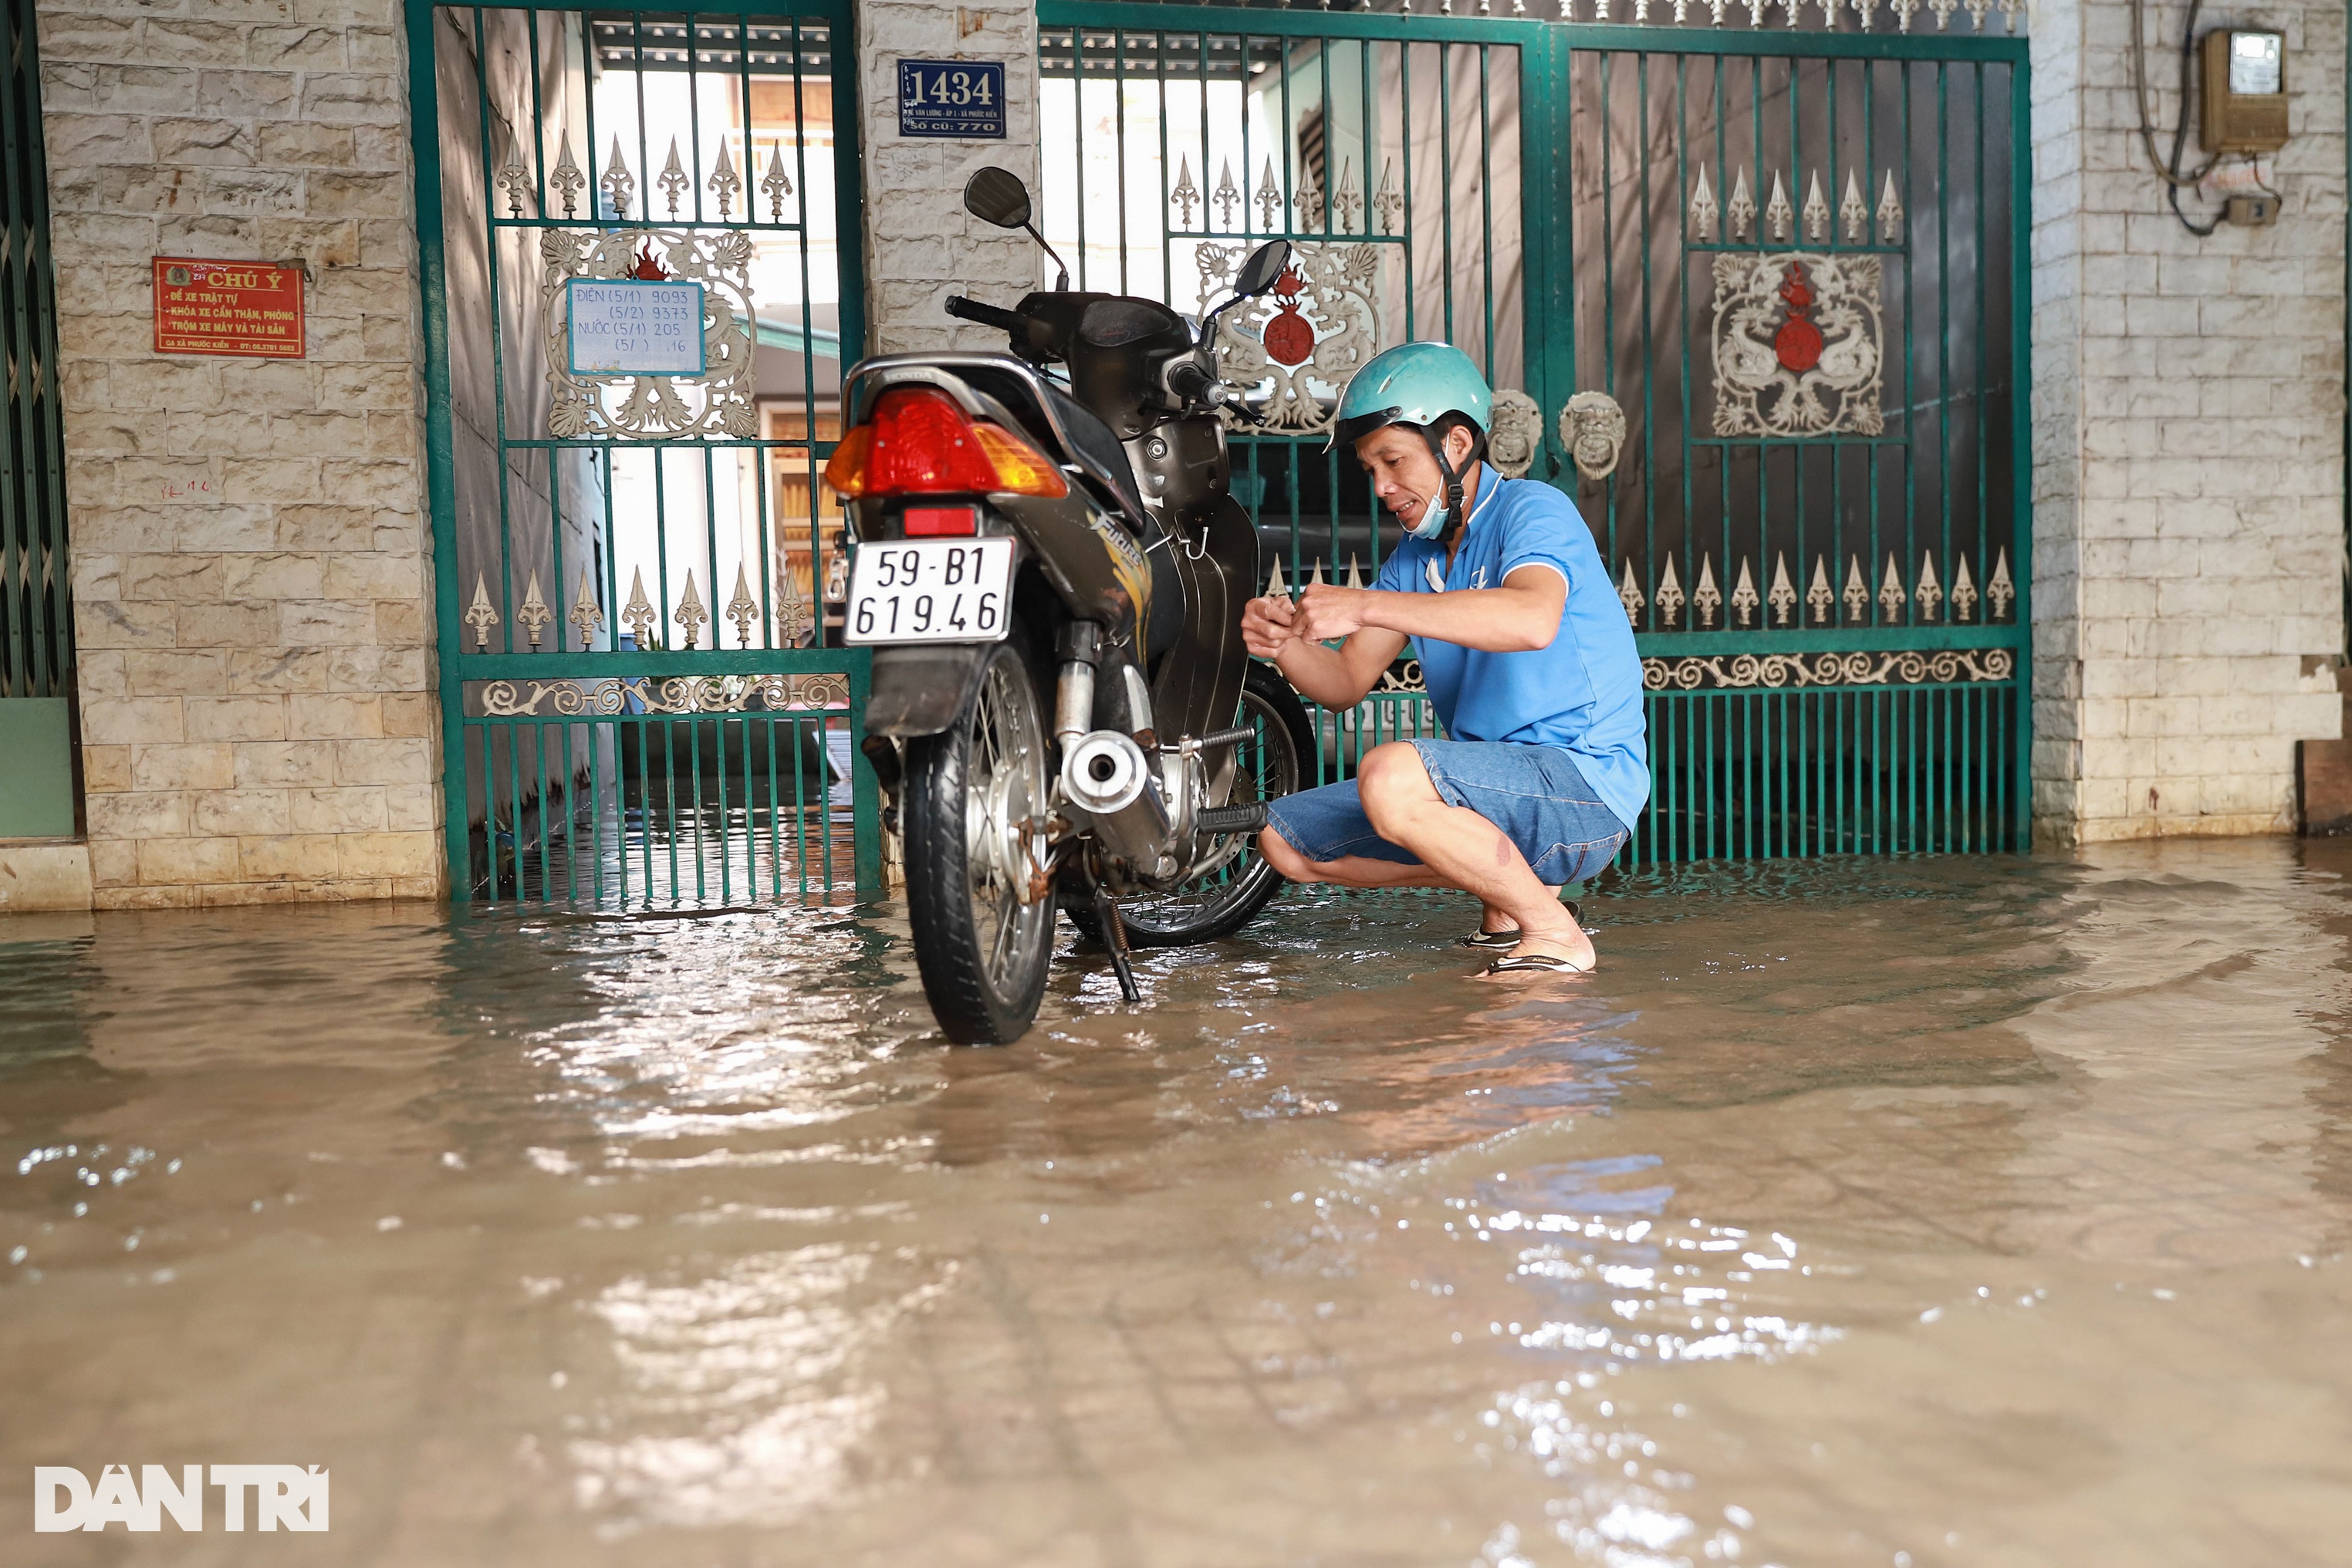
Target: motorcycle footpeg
x=1232, y=818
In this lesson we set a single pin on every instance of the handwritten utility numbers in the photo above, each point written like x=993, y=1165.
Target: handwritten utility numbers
x=631, y=328
x=934, y=590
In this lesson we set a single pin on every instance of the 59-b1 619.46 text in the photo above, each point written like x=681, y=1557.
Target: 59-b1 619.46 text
x=931, y=591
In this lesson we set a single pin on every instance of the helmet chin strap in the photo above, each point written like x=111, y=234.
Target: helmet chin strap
x=1454, y=521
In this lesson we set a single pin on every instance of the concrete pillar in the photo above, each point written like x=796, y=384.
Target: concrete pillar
x=2187, y=444
x=921, y=245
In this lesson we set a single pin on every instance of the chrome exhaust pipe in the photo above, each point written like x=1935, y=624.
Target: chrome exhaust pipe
x=1080, y=649
x=1074, y=704
x=1105, y=776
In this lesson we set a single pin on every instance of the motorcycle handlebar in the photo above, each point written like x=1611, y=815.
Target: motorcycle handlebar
x=1189, y=380
x=986, y=315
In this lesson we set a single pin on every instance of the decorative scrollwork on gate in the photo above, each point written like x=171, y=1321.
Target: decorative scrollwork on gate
x=665, y=695
x=1315, y=331
x=1797, y=341
x=717, y=404
x=1905, y=667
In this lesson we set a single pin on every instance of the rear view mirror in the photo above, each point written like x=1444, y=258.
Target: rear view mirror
x=1258, y=273
x=997, y=196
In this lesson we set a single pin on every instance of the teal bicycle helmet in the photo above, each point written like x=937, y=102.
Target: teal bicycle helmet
x=1419, y=384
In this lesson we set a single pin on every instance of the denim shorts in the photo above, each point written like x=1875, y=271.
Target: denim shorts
x=1536, y=795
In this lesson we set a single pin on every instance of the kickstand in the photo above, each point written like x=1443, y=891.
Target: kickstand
x=1115, y=938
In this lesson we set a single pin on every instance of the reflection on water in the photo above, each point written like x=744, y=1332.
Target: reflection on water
x=1930, y=1212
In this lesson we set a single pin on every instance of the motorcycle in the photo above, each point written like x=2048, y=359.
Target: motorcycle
x=1051, y=571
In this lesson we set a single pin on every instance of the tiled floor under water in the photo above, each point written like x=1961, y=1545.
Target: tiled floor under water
x=1932, y=1212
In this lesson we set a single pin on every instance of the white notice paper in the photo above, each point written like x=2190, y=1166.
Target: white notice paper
x=631, y=328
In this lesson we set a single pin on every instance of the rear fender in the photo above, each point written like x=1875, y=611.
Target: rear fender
x=1099, y=570
x=921, y=689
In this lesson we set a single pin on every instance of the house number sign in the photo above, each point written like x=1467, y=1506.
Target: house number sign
x=631, y=328
x=961, y=98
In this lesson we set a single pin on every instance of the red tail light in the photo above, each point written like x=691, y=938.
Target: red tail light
x=941, y=521
x=919, y=442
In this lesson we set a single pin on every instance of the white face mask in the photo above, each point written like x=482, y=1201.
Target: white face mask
x=1433, y=518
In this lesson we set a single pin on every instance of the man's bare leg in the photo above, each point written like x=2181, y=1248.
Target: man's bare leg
x=1363, y=871
x=1467, y=851
x=1347, y=871
x=1520, y=902
x=1493, y=920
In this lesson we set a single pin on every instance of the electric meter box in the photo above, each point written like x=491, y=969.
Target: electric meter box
x=2246, y=90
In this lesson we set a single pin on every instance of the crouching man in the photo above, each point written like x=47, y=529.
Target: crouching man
x=1529, y=661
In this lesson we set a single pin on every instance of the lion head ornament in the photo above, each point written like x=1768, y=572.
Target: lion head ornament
x=1517, y=432
x=1593, y=428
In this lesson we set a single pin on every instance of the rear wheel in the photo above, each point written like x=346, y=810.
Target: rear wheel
x=976, y=806
x=1222, y=900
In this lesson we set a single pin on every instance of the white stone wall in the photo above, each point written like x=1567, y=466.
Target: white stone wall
x=2189, y=443
x=921, y=245
x=251, y=561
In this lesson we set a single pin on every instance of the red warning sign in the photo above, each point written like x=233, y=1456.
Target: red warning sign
x=227, y=307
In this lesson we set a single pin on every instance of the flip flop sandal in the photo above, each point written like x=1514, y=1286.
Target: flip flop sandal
x=1504, y=940
x=1535, y=963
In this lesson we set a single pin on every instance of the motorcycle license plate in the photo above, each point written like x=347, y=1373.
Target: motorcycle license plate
x=930, y=590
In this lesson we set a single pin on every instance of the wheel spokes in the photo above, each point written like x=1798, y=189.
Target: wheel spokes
x=1001, y=801
x=1263, y=770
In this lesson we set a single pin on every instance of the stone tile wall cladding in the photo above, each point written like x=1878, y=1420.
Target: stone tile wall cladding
x=252, y=579
x=2189, y=445
x=921, y=245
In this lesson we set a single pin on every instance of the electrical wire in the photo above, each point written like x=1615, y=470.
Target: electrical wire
x=2169, y=170
x=2181, y=136
x=2171, y=175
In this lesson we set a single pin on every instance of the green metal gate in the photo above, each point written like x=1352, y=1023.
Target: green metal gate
x=640, y=255
x=1754, y=298
x=38, y=794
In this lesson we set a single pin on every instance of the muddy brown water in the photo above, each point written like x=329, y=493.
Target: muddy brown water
x=1925, y=1212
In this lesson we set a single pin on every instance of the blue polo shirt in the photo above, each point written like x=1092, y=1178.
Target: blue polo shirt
x=1581, y=693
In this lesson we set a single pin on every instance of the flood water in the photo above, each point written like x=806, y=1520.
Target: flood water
x=1925, y=1212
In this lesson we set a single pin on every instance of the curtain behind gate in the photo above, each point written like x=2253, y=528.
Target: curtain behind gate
x=1447, y=123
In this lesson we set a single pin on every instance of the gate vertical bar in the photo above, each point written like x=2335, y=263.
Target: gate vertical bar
x=2020, y=418
x=423, y=100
